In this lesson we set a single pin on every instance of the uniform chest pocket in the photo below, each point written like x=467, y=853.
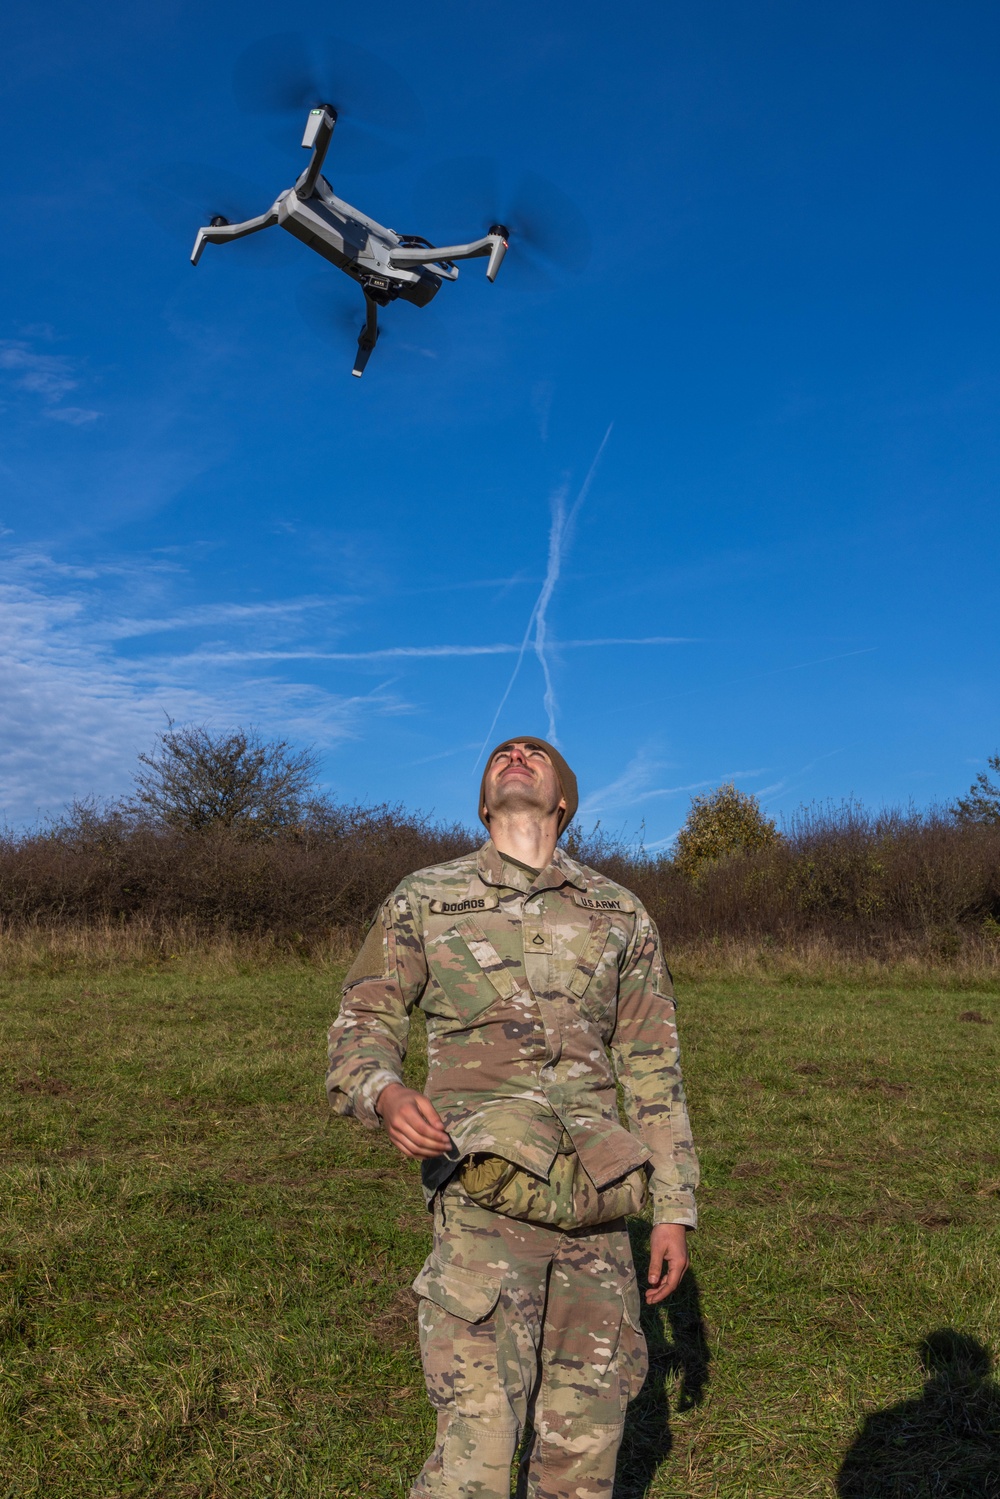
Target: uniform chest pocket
x=470, y=970
x=595, y=979
x=591, y=956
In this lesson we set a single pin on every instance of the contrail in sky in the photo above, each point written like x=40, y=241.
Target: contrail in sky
x=560, y=535
x=422, y=652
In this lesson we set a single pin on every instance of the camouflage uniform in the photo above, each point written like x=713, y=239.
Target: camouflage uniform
x=526, y=983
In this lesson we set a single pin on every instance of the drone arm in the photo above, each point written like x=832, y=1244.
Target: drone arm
x=217, y=234
x=318, y=135
x=493, y=245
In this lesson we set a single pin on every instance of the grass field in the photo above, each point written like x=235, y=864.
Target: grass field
x=204, y=1278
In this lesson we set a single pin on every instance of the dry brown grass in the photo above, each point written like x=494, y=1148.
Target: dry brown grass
x=185, y=947
x=102, y=947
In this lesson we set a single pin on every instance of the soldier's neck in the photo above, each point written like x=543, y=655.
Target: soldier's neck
x=525, y=837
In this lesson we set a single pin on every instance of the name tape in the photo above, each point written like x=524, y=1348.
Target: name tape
x=456, y=907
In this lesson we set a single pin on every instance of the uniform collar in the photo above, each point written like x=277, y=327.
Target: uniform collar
x=494, y=869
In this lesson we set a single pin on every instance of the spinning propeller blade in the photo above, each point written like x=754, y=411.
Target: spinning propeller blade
x=287, y=74
x=548, y=233
x=332, y=309
x=184, y=196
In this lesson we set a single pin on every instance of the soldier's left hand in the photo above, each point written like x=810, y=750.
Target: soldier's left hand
x=668, y=1260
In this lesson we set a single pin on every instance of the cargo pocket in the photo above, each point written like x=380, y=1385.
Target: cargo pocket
x=633, y=1357
x=458, y=1339
x=464, y=1293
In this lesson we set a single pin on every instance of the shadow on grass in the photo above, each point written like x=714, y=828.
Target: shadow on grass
x=678, y=1347
x=945, y=1444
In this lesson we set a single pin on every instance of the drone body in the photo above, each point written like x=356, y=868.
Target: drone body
x=386, y=265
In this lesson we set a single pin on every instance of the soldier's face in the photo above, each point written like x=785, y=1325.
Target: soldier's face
x=521, y=776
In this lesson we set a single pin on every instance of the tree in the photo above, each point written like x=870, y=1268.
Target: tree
x=983, y=801
x=720, y=823
x=195, y=780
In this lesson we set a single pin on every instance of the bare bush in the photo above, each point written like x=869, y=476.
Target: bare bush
x=856, y=882
x=329, y=872
x=195, y=780
x=838, y=880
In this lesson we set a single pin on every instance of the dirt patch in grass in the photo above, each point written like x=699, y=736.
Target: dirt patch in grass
x=882, y=1085
x=50, y=1087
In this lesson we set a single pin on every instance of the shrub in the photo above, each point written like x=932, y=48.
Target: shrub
x=725, y=822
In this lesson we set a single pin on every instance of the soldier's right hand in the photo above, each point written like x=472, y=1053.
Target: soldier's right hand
x=412, y=1122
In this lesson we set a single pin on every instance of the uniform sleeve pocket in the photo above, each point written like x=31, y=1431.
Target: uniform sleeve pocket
x=373, y=960
x=463, y=1293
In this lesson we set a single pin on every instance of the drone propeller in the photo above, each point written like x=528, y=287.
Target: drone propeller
x=335, y=312
x=548, y=233
x=182, y=196
x=288, y=74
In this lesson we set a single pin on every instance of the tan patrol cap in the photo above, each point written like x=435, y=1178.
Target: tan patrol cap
x=567, y=780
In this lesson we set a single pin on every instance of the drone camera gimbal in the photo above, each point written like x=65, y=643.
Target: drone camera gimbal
x=385, y=264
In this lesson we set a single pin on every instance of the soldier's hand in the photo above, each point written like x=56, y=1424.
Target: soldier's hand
x=412, y=1122
x=668, y=1259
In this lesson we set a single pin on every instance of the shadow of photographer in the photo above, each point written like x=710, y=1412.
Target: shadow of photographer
x=678, y=1346
x=945, y=1444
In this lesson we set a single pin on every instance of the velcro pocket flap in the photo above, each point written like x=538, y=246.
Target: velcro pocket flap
x=486, y=956
x=463, y=1293
x=591, y=956
x=372, y=962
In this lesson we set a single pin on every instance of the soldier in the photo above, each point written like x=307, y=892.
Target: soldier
x=530, y=969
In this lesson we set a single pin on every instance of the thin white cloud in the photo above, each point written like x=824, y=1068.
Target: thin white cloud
x=49, y=376
x=81, y=695
x=75, y=713
x=46, y=376
x=73, y=416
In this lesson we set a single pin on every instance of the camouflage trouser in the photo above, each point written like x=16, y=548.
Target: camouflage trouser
x=517, y=1323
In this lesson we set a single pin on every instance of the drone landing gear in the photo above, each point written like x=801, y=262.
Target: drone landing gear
x=368, y=337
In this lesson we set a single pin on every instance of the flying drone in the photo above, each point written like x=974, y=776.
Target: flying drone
x=386, y=265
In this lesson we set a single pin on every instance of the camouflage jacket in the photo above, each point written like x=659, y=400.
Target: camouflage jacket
x=526, y=985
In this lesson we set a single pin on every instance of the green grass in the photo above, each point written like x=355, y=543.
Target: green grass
x=204, y=1277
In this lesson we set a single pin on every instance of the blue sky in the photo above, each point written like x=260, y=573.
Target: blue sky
x=723, y=504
